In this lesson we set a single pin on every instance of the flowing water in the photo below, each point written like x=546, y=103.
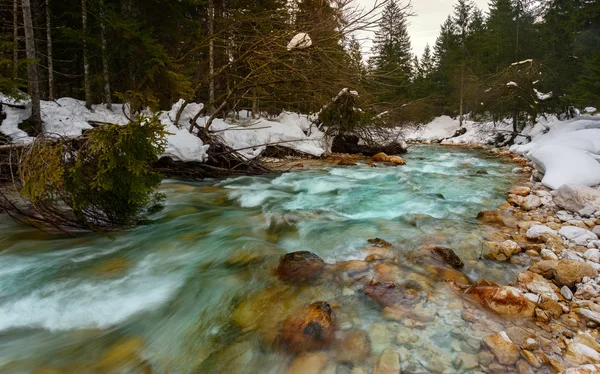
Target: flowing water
x=165, y=298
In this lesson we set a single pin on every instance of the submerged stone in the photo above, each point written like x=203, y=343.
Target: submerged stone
x=308, y=329
x=390, y=294
x=444, y=254
x=506, y=301
x=299, y=267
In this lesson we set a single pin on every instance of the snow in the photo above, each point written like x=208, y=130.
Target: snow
x=299, y=41
x=543, y=96
x=512, y=84
x=521, y=62
x=590, y=110
x=440, y=128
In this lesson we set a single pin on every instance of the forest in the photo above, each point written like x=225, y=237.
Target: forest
x=232, y=55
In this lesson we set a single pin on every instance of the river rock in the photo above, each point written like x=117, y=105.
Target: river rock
x=388, y=362
x=378, y=242
x=544, y=268
x=380, y=157
x=575, y=197
x=592, y=254
x=539, y=285
x=515, y=200
x=503, y=348
x=308, y=329
x=520, y=191
x=396, y=160
x=354, y=347
x=507, y=301
x=390, y=294
x=299, y=267
x=308, y=363
x=444, y=254
x=346, y=162
x=579, y=353
x=570, y=272
x=502, y=251
x=583, y=369
x=489, y=216
x=577, y=235
x=536, y=231
x=530, y=202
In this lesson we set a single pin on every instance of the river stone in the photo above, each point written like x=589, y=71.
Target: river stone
x=503, y=348
x=346, y=162
x=489, y=216
x=378, y=242
x=390, y=294
x=309, y=329
x=520, y=191
x=544, y=268
x=396, y=160
x=388, y=362
x=299, y=267
x=536, y=231
x=530, y=202
x=592, y=254
x=444, y=254
x=507, y=301
x=539, y=285
x=380, y=157
x=575, y=197
x=579, y=353
x=583, y=369
x=570, y=272
x=308, y=363
x=502, y=251
x=515, y=200
x=354, y=347
x=577, y=235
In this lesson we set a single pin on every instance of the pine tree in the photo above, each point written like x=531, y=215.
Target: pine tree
x=391, y=61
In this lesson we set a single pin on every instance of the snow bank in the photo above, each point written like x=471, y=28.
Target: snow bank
x=566, y=151
x=69, y=117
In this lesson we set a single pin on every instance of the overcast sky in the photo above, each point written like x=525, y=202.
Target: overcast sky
x=425, y=25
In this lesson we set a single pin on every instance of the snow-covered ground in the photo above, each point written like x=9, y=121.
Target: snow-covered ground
x=567, y=152
x=69, y=117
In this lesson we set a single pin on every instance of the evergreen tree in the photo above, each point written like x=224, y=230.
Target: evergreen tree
x=391, y=61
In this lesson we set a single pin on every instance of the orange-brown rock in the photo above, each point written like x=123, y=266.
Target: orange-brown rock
x=299, y=267
x=396, y=160
x=380, y=157
x=378, y=242
x=354, y=347
x=346, y=162
x=444, y=254
x=507, y=301
x=489, y=216
x=390, y=294
x=308, y=329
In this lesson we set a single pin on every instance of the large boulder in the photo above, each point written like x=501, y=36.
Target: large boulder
x=506, y=301
x=569, y=272
x=310, y=328
x=575, y=197
x=299, y=267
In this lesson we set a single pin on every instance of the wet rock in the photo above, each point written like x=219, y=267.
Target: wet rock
x=380, y=243
x=515, y=200
x=346, y=162
x=299, y=267
x=576, y=197
x=444, y=254
x=523, y=367
x=308, y=363
x=380, y=337
x=123, y=355
x=502, y=251
x=380, y=157
x=531, y=358
x=547, y=254
x=570, y=272
x=354, y=347
x=465, y=361
x=520, y=191
x=396, y=160
x=489, y=216
x=566, y=292
x=390, y=294
x=539, y=285
x=388, y=363
x=309, y=329
x=503, y=348
x=507, y=301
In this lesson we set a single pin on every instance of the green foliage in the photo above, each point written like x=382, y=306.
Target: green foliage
x=106, y=182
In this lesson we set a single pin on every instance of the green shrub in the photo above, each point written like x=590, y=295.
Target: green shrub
x=103, y=181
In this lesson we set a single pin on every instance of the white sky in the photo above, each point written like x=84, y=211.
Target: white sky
x=425, y=25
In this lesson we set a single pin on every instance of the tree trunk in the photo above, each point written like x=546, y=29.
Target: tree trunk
x=15, y=39
x=211, y=54
x=51, y=95
x=105, y=67
x=255, y=110
x=32, y=70
x=518, y=27
x=86, y=63
x=462, y=92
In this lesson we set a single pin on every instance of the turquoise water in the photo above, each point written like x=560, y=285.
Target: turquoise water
x=161, y=298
